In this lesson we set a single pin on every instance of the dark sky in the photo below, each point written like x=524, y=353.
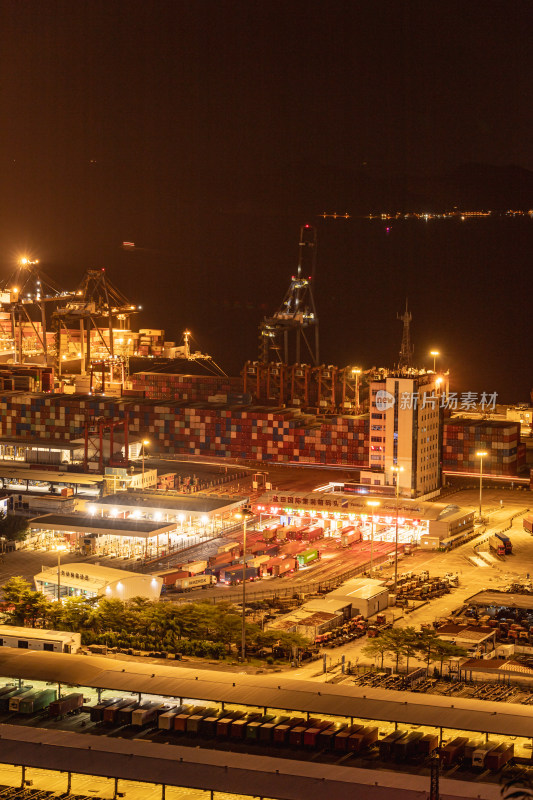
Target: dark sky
x=178, y=125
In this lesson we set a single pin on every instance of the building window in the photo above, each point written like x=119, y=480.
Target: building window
x=377, y=416
x=48, y=646
x=23, y=644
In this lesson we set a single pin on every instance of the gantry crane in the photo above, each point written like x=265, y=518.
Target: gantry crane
x=94, y=301
x=25, y=295
x=297, y=312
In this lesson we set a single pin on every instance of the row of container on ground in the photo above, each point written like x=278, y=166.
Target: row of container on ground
x=295, y=731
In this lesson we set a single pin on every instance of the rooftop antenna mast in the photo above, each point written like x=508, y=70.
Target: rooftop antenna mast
x=407, y=350
x=297, y=311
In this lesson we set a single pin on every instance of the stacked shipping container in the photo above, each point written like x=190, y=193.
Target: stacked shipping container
x=167, y=386
x=463, y=438
x=245, y=432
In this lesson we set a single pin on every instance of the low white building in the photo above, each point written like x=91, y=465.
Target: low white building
x=92, y=580
x=39, y=639
x=367, y=596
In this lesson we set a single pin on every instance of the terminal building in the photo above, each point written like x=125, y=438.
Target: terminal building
x=419, y=522
x=92, y=580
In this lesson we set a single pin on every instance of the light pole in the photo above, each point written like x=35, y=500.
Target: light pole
x=434, y=353
x=244, y=515
x=356, y=371
x=145, y=442
x=396, y=469
x=373, y=504
x=481, y=454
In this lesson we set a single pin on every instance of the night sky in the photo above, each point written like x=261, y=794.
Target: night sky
x=207, y=132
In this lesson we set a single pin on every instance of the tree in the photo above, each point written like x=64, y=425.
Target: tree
x=445, y=650
x=376, y=647
x=24, y=604
x=13, y=527
x=428, y=643
x=395, y=641
x=410, y=644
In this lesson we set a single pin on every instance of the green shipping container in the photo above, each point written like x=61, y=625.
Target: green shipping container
x=306, y=557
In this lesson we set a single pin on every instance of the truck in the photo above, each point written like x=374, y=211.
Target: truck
x=496, y=544
x=498, y=757
x=110, y=713
x=481, y=753
x=350, y=535
x=235, y=574
x=37, y=701
x=307, y=557
x=14, y=702
x=454, y=751
x=507, y=542
x=194, y=582
x=387, y=745
x=69, y=704
x=528, y=523
x=165, y=721
x=144, y=715
x=312, y=534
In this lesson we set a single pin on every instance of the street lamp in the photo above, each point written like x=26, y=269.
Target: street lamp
x=434, y=353
x=481, y=454
x=396, y=470
x=373, y=504
x=356, y=371
x=244, y=514
x=145, y=442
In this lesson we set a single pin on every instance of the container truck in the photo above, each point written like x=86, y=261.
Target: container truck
x=110, y=713
x=311, y=734
x=208, y=725
x=235, y=574
x=341, y=740
x=193, y=723
x=407, y=746
x=165, y=721
x=480, y=754
x=253, y=728
x=454, y=751
x=307, y=557
x=428, y=744
x=326, y=737
x=470, y=747
x=386, y=746
x=14, y=702
x=362, y=739
x=296, y=734
x=144, y=715
x=498, y=757
x=69, y=704
x=97, y=712
x=496, y=544
x=194, y=582
x=124, y=714
x=180, y=720
x=266, y=731
x=507, y=542
x=229, y=547
x=225, y=722
x=238, y=727
x=528, y=523
x=281, y=732
x=312, y=534
x=37, y=701
x=6, y=698
x=350, y=536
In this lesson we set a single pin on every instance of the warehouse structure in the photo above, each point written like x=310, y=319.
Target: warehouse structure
x=39, y=639
x=167, y=507
x=105, y=536
x=92, y=580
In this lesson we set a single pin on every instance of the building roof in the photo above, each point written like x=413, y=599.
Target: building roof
x=52, y=444
x=189, y=504
x=272, y=691
x=90, y=576
x=80, y=523
x=9, y=469
x=502, y=599
x=347, y=502
x=220, y=771
x=37, y=633
x=466, y=634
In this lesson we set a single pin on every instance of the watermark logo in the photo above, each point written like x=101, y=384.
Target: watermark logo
x=384, y=400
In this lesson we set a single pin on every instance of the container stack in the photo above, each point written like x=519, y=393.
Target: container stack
x=463, y=438
x=201, y=429
x=195, y=388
